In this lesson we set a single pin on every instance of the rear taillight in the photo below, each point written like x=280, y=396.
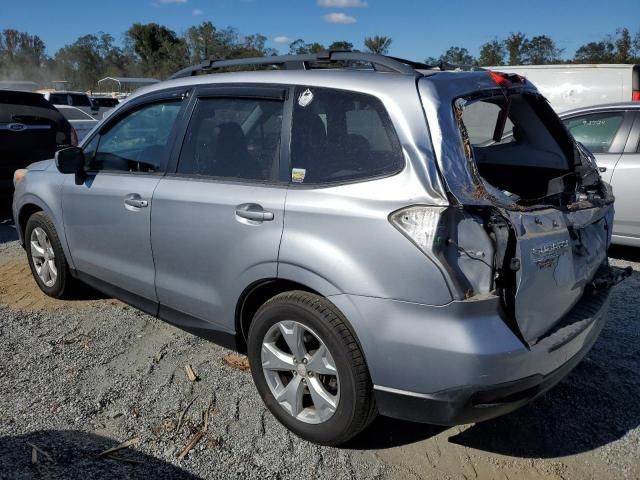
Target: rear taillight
x=74, y=137
x=420, y=224
x=635, y=96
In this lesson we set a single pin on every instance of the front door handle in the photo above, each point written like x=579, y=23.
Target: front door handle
x=253, y=212
x=136, y=201
x=602, y=169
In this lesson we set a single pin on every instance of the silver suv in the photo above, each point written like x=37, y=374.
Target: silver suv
x=377, y=235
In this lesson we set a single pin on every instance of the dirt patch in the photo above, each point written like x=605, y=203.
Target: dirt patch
x=19, y=290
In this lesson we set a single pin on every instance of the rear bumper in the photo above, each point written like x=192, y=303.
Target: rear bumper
x=475, y=369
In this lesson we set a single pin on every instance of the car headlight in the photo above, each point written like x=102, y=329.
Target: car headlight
x=18, y=175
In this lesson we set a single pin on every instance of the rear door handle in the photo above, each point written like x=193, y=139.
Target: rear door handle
x=136, y=201
x=602, y=169
x=254, y=212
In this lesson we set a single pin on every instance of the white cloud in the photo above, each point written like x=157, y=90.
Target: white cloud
x=282, y=39
x=173, y=1
x=339, y=18
x=197, y=12
x=342, y=3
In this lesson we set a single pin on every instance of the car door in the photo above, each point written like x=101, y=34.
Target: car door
x=107, y=213
x=604, y=133
x=217, y=221
x=626, y=187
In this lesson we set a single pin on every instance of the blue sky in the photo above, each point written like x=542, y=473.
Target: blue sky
x=419, y=28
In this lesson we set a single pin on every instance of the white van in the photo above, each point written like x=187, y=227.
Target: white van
x=573, y=86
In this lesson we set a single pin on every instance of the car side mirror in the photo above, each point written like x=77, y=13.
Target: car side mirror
x=70, y=160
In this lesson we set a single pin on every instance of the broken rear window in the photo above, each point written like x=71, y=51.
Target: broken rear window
x=516, y=141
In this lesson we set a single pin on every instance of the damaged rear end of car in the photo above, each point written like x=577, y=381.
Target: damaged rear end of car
x=531, y=218
x=522, y=246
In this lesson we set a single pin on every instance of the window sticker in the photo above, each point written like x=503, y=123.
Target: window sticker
x=305, y=98
x=298, y=174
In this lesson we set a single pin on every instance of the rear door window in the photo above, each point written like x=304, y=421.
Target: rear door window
x=596, y=131
x=235, y=138
x=341, y=136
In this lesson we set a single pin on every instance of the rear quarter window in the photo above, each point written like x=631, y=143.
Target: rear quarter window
x=341, y=136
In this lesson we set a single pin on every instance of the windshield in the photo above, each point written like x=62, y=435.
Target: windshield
x=75, y=114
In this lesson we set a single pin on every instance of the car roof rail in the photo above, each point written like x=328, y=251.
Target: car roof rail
x=380, y=63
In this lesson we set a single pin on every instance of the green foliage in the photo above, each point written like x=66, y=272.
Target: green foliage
x=455, y=56
x=22, y=55
x=378, y=44
x=492, y=53
x=540, y=50
x=160, y=51
x=618, y=48
x=595, y=52
x=154, y=50
x=514, y=44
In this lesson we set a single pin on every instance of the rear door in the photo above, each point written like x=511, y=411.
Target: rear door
x=626, y=186
x=605, y=134
x=107, y=214
x=217, y=221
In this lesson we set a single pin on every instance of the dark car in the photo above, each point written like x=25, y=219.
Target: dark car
x=31, y=129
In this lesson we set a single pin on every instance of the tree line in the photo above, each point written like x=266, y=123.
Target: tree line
x=153, y=50
x=518, y=49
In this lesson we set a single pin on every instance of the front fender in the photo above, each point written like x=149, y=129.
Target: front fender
x=46, y=196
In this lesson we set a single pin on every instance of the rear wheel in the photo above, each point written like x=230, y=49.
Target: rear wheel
x=46, y=257
x=309, y=369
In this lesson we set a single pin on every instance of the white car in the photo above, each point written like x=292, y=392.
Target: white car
x=81, y=122
x=73, y=99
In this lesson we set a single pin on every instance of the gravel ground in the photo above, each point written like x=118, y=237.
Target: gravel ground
x=80, y=377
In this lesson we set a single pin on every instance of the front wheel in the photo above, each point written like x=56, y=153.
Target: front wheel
x=309, y=369
x=46, y=257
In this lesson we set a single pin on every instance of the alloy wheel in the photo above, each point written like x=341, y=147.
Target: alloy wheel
x=43, y=256
x=300, y=371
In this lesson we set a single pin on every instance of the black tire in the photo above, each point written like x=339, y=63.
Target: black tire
x=64, y=283
x=356, y=407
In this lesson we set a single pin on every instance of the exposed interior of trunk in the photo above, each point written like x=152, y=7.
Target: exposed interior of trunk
x=520, y=146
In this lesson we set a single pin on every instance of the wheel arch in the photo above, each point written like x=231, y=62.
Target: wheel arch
x=26, y=211
x=30, y=204
x=256, y=294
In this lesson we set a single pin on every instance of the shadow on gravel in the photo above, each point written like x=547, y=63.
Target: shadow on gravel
x=598, y=403
x=72, y=455
x=387, y=432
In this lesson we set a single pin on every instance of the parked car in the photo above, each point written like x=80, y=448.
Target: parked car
x=104, y=104
x=612, y=133
x=31, y=129
x=79, y=120
x=73, y=99
x=571, y=86
x=343, y=228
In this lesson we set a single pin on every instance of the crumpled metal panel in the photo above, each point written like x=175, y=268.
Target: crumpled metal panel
x=452, y=150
